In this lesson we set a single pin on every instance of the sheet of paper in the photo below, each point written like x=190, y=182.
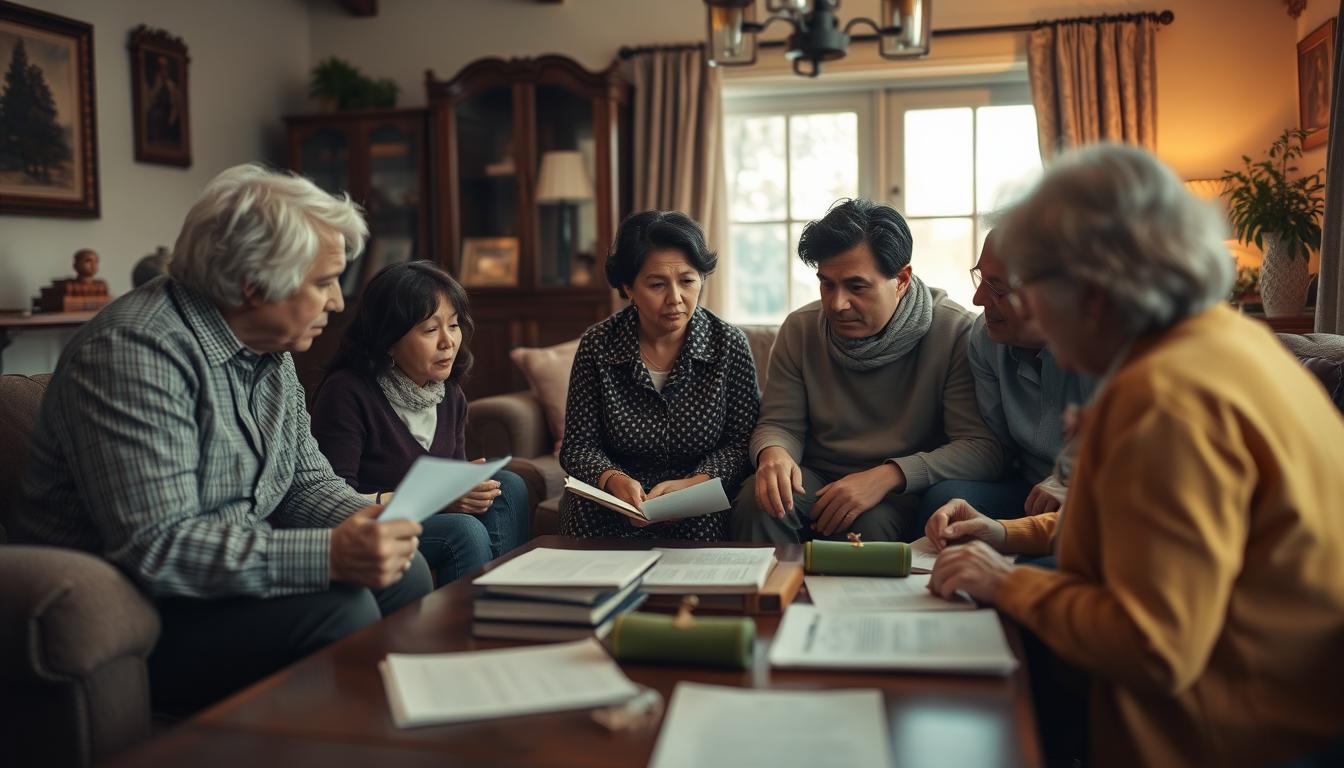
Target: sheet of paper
x=709, y=726
x=922, y=555
x=699, y=499
x=425, y=689
x=736, y=569
x=969, y=642
x=434, y=483
x=866, y=593
x=570, y=568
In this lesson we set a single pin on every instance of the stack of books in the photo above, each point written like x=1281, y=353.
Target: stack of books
x=555, y=594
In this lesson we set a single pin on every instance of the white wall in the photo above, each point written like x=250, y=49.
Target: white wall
x=249, y=62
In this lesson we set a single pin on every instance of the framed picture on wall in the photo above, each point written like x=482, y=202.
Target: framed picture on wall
x=159, y=97
x=1315, y=73
x=49, y=148
x=489, y=261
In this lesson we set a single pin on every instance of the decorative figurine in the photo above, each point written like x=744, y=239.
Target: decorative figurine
x=85, y=293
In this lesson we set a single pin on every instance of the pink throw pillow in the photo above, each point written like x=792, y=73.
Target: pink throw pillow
x=547, y=373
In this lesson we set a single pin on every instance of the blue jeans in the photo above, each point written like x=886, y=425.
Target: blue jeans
x=1001, y=501
x=455, y=544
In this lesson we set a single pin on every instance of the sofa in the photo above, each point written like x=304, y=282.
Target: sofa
x=74, y=632
x=516, y=423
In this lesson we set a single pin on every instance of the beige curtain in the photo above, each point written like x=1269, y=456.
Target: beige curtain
x=1330, y=285
x=1093, y=81
x=678, y=152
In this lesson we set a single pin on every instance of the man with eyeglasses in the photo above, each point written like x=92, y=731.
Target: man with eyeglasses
x=1022, y=394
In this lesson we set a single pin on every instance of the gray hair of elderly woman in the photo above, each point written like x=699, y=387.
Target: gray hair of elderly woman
x=260, y=228
x=1116, y=219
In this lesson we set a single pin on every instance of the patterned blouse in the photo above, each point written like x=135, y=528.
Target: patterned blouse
x=700, y=422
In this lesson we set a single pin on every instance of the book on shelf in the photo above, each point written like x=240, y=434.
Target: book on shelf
x=693, y=501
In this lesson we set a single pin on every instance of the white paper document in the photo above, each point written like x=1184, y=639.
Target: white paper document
x=433, y=483
x=867, y=593
x=710, y=570
x=570, y=568
x=709, y=726
x=699, y=499
x=922, y=555
x=427, y=689
x=967, y=642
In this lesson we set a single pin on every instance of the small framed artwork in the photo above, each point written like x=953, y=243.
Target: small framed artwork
x=489, y=261
x=1315, y=73
x=159, y=90
x=49, y=147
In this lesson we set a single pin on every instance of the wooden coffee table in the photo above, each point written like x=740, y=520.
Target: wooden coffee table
x=330, y=709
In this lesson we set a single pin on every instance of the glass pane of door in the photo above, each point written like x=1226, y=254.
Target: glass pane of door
x=487, y=188
x=760, y=286
x=944, y=254
x=1007, y=154
x=823, y=162
x=393, y=206
x=566, y=213
x=939, y=178
x=757, y=168
x=325, y=159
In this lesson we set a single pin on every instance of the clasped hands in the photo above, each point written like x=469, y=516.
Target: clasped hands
x=838, y=504
x=969, y=546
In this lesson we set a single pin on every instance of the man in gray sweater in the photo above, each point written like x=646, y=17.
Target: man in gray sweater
x=870, y=398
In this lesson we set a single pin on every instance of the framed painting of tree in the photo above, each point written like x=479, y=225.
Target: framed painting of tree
x=48, y=134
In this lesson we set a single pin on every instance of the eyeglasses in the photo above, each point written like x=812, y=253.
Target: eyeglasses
x=996, y=287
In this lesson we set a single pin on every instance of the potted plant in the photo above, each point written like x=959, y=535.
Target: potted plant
x=339, y=85
x=1282, y=216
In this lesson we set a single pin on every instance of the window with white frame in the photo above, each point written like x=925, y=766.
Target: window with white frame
x=952, y=155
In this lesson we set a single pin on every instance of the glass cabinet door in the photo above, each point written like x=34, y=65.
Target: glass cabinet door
x=565, y=210
x=487, y=189
x=325, y=159
x=393, y=205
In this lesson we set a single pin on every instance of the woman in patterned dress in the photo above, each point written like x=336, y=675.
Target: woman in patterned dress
x=663, y=393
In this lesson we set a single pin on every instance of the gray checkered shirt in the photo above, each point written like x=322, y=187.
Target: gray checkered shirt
x=170, y=449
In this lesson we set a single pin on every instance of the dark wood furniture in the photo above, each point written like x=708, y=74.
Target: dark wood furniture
x=380, y=157
x=493, y=125
x=20, y=320
x=1300, y=323
x=331, y=709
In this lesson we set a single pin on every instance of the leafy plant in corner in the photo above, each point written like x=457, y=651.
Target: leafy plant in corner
x=340, y=83
x=1264, y=202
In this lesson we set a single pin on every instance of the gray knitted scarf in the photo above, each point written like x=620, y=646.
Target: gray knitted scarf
x=907, y=326
x=402, y=392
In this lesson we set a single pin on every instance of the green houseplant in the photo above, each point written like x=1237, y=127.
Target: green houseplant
x=1282, y=216
x=337, y=84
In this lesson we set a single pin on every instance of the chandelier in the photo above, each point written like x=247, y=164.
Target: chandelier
x=902, y=31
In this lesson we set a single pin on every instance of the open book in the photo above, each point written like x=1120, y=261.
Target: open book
x=699, y=499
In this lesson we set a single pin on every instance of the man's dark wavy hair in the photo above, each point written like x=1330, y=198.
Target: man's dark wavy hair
x=851, y=222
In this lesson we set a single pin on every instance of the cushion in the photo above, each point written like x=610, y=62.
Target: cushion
x=547, y=373
x=1323, y=355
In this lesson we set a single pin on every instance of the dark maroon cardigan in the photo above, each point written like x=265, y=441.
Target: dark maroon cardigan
x=367, y=443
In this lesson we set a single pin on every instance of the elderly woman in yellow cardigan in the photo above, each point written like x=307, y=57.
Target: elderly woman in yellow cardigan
x=1200, y=579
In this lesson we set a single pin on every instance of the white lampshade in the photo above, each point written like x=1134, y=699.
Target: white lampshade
x=563, y=178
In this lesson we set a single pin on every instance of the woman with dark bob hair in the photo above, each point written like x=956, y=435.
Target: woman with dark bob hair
x=663, y=393
x=393, y=395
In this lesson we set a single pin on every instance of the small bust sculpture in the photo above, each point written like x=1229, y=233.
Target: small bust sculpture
x=86, y=264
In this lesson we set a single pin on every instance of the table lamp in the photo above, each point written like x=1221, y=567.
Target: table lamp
x=564, y=182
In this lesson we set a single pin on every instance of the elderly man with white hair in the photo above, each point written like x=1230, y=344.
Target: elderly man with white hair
x=174, y=442
x=1200, y=580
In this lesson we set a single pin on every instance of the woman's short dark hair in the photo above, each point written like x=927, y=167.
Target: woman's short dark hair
x=648, y=231
x=851, y=222
x=398, y=298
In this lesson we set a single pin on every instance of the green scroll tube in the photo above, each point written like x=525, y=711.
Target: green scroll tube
x=842, y=558
x=712, y=641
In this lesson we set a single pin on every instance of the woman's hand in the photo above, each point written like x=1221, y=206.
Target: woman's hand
x=477, y=501
x=957, y=520
x=668, y=486
x=973, y=568
x=627, y=489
